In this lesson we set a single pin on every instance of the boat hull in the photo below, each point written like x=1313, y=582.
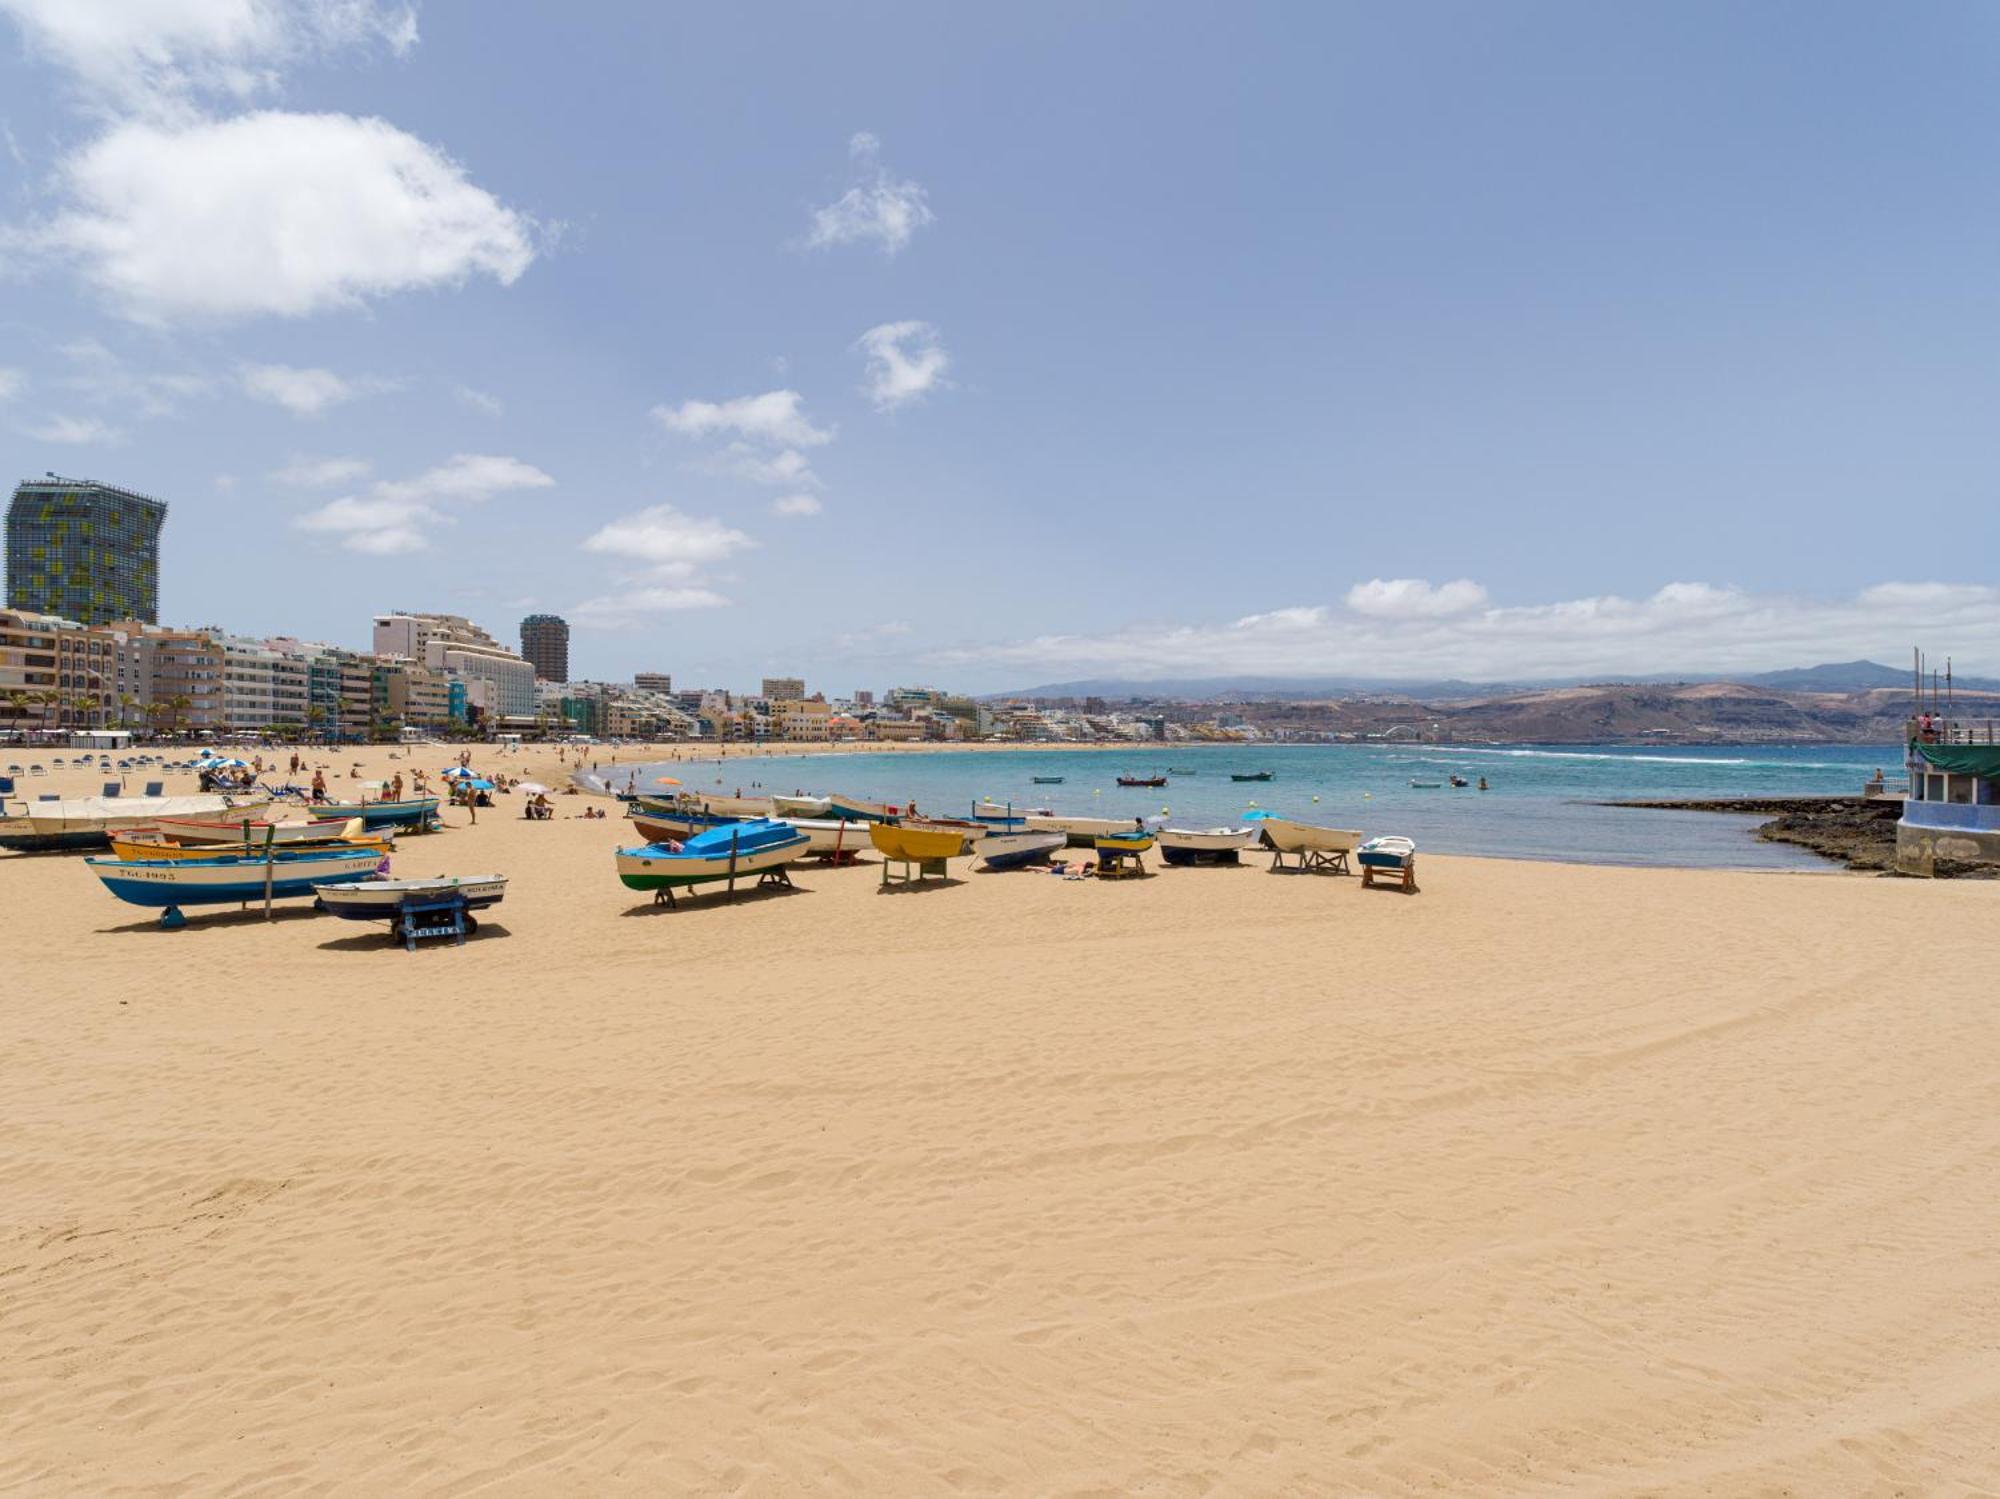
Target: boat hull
x=827, y=837
x=916, y=845
x=412, y=812
x=1016, y=850
x=160, y=883
x=659, y=827
x=1080, y=831
x=148, y=848
x=1289, y=837
x=1204, y=846
x=381, y=900
x=813, y=808
x=89, y=821
x=216, y=832
x=661, y=868
x=854, y=809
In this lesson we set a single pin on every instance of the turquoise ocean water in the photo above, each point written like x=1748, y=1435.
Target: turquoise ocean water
x=1541, y=804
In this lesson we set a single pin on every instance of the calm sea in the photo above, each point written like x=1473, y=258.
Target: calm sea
x=1541, y=802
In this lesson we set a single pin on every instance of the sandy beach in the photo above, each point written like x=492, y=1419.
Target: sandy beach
x=1549, y=1180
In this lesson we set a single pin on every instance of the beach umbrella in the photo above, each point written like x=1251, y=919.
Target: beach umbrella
x=666, y=780
x=460, y=773
x=480, y=783
x=232, y=763
x=533, y=788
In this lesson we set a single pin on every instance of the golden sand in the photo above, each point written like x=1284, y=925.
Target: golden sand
x=1549, y=1180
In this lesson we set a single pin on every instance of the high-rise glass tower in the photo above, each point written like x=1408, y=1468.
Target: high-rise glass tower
x=545, y=642
x=84, y=551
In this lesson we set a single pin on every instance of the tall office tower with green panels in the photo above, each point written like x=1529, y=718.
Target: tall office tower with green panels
x=84, y=551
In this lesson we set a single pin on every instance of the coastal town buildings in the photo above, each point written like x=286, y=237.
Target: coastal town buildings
x=499, y=684
x=789, y=689
x=653, y=681
x=81, y=550
x=545, y=645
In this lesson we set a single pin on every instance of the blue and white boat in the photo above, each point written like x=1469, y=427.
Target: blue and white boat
x=1018, y=850
x=230, y=879
x=739, y=849
x=411, y=812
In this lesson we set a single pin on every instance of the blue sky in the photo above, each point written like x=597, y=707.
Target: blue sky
x=890, y=343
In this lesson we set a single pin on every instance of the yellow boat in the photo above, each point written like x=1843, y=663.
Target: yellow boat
x=916, y=845
x=158, y=848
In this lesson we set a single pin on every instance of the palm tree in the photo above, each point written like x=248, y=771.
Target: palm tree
x=18, y=704
x=49, y=699
x=180, y=702
x=126, y=703
x=315, y=715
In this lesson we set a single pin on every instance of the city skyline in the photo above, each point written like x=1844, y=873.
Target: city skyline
x=1555, y=375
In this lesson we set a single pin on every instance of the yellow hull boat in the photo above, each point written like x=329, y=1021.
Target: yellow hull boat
x=916, y=845
x=155, y=848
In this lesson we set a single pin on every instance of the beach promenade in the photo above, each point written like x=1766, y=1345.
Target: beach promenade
x=1551, y=1180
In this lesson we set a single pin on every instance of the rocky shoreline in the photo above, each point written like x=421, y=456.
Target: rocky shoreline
x=1858, y=832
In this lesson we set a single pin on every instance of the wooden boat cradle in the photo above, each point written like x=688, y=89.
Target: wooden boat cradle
x=1311, y=861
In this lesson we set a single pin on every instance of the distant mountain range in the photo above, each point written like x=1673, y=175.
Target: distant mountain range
x=1840, y=676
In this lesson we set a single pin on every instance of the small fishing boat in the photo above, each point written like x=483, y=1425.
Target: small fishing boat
x=1204, y=845
x=1046, y=780
x=137, y=845
x=729, y=852
x=1131, y=841
x=1315, y=848
x=230, y=879
x=1178, y=770
x=1015, y=850
x=919, y=843
x=89, y=821
x=383, y=900
x=1426, y=785
x=855, y=808
x=192, y=832
x=664, y=822
x=410, y=812
x=801, y=806
x=1002, y=819
x=1142, y=780
x=970, y=829
x=1388, y=856
x=1080, y=831
x=1255, y=775
x=742, y=808
x=830, y=837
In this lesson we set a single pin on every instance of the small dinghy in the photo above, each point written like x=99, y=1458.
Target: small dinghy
x=383, y=900
x=1392, y=858
x=1204, y=845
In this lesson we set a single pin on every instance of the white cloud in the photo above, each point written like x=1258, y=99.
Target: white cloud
x=906, y=361
x=397, y=515
x=673, y=550
x=668, y=540
x=877, y=207
x=479, y=401
x=1693, y=627
x=303, y=392
x=1414, y=598
x=12, y=383
x=273, y=213
x=773, y=417
x=321, y=473
x=741, y=461
x=151, y=54
x=797, y=504
x=77, y=430
x=623, y=611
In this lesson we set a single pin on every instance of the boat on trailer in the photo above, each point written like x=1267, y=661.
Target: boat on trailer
x=142, y=845
x=923, y=842
x=1390, y=857
x=218, y=833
